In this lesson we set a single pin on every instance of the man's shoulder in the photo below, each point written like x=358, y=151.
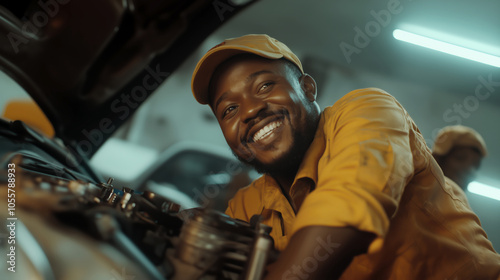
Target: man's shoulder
x=361, y=100
x=363, y=95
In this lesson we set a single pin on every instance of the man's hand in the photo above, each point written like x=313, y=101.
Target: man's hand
x=319, y=252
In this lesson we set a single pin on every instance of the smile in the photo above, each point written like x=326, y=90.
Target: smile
x=266, y=130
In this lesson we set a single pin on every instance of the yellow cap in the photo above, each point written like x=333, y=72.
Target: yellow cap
x=458, y=135
x=259, y=44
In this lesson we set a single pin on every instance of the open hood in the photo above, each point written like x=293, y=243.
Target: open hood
x=90, y=63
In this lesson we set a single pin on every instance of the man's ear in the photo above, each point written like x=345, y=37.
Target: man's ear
x=308, y=85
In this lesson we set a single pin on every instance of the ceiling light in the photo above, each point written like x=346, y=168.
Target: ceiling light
x=484, y=190
x=446, y=47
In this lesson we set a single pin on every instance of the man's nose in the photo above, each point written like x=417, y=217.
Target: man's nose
x=251, y=107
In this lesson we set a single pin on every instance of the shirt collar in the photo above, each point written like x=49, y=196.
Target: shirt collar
x=308, y=169
x=309, y=166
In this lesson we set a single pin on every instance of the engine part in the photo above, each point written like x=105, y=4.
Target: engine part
x=147, y=229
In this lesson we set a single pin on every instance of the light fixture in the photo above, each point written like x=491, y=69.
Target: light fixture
x=446, y=47
x=484, y=190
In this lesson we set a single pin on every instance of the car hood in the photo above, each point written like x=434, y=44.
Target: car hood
x=90, y=63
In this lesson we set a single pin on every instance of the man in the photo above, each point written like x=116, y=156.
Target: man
x=459, y=150
x=351, y=191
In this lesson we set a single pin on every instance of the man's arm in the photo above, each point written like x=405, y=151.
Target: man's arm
x=319, y=252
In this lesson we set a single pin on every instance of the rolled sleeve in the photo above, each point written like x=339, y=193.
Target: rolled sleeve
x=365, y=166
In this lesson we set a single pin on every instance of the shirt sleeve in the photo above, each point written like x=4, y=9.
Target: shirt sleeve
x=366, y=164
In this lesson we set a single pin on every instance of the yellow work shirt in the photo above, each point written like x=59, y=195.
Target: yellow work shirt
x=369, y=167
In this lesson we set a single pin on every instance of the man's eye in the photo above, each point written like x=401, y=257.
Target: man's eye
x=266, y=86
x=228, y=110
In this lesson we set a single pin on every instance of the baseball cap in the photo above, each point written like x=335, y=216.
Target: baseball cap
x=458, y=135
x=259, y=44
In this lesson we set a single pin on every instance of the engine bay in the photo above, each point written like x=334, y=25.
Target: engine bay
x=148, y=236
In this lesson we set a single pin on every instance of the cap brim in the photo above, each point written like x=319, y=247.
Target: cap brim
x=212, y=59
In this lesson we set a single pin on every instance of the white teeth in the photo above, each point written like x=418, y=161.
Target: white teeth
x=266, y=130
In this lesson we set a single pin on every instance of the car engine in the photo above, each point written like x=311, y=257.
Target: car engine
x=149, y=236
x=76, y=59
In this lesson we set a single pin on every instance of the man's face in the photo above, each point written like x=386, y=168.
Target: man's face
x=461, y=165
x=267, y=113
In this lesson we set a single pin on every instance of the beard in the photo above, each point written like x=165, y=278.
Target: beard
x=289, y=162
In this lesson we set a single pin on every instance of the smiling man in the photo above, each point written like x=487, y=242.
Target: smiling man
x=351, y=191
x=274, y=135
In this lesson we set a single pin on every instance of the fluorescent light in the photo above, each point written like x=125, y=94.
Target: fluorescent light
x=446, y=47
x=484, y=190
